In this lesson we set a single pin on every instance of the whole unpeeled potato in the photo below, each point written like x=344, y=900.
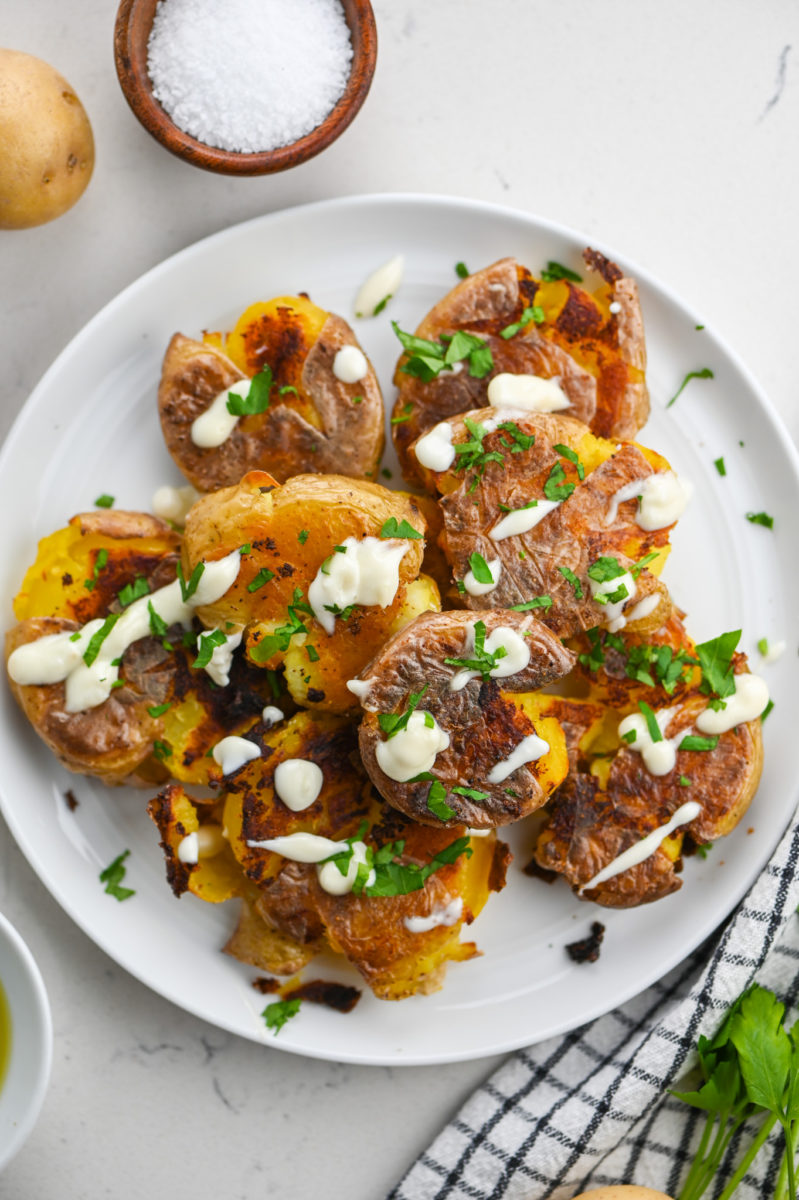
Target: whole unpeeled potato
x=46, y=143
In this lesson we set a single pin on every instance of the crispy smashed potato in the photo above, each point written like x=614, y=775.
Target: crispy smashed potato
x=291, y=532
x=484, y=721
x=596, y=354
x=288, y=916
x=81, y=573
x=610, y=801
x=516, y=459
x=314, y=421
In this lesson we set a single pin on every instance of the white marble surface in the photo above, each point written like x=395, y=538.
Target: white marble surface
x=668, y=131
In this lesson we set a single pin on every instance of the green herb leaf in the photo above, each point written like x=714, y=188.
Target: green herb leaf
x=187, y=590
x=718, y=463
x=471, y=454
x=630, y=736
x=704, y=373
x=698, y=743
x=277, y=1014
x=97, y=639
x=571, y=578
x=655, y=732
x=393, y=528
x=480, y=568
x=556, y=270
x=287, y=389
x=461, y=270
x=104, y=501
x=99, y=564
x=684, y=781
x=533, y=313
x=257, y=398
x=207, y=643
x=715, y=659
x=159, y=709
x=605, y=568
x=113, y=875
x=397, y=879
x=557, y=487
x=437, y=801
x=572, y=457
x=245, y=549
x=521, y=441
x=766, y=711
x=392, y=723
x=637, y=568
x=470, y=793
x=158, y=625
x=262, y=578
x=162, y=750
x=481, y=661
x=536, y=602
x=760, y=518
x=133, y=591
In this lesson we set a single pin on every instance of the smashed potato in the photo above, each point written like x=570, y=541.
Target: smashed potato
x=513, y=467
x=489, y=752
x=399, y=939
x=313, y=420
x=592, y=344
x=291, y=533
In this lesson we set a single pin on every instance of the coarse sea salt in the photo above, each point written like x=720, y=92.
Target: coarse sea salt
x=249, y=75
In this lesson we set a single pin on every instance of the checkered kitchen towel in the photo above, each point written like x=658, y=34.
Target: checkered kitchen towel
x=591, y=1108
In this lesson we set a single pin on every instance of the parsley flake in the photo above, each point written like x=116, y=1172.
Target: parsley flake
x=392, y=723
x=97, y=639
x=104, y=501
x=698, y=743
x=655, y=732
x=262, y=578
x=531, y=314
x=133, y=591
x=187, y=590
x=571, y=578
x=276, y=1015
x=99, y=564
x=482, y=661
x=280, y=639
x=207, y=643
x=393, y=528
x=480, y=568
x=158, y=710
x=718, y=463
x=437, y=801
x=303, y=535
x=257, y=398
x=556, y=270
x=760, y=518
x=461, y=270
x=544, y=602
x=113, y=875
x=704, y=373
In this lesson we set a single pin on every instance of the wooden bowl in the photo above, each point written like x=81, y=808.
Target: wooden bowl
x=132, y=33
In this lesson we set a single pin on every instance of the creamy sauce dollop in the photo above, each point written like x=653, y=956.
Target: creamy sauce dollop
x=527, y=393
x=366, y=572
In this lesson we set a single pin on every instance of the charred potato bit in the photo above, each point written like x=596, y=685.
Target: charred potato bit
x=485, y=720
x=290, y=532
x=519, y=458
x=313, y=422
x=610, y=800
x=595, y=352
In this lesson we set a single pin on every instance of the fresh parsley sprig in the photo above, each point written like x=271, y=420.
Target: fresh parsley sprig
x=481, y=660
x=257, y=398
x=276, y=1015
x=427, y=359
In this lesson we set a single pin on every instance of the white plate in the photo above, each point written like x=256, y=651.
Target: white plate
x=91, y=427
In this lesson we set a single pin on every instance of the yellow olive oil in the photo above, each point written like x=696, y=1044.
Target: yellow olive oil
x=5, y=1034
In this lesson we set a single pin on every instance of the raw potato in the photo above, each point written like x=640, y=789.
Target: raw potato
x=46, y=143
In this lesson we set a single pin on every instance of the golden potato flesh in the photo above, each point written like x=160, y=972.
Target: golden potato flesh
x=514, y=461
x=314, y=421
x=369, y=928
x=484, y=721
x=610, y=801
x=46, y=143
x=290, y=533
x=552, y=329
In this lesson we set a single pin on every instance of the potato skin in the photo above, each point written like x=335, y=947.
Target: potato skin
x=484, y=722
x=571, y=536
x=599, y=357
x=320, y=429
x=46, y=142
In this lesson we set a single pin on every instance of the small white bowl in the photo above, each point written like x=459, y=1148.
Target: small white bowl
x=23, y=1087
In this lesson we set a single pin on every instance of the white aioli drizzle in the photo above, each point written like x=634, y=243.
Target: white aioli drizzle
x=215, y=425
x=365, y=572
x=528, y=393
x=382, y=283
x=522, y=520
x=189, y=849
x=613, y=612
x=310, y=848
x=528, y=750
x=57, y=658
x=412, y=750
x=233, y=752
x=516, y=658
x=646, y=847
x=663, y=499
x=298, y=782
x=350, y=365
x=658, y=757
x=644, y=608
x=221, y=656
x=434, y=449
x=272, y=715
x=448, y=914
x=748, y=702
x=479, y=832
x=172, y=503
x=475, y=588
x=360, y=688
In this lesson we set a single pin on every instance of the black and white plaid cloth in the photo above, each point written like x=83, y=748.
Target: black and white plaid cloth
x=592, y=1108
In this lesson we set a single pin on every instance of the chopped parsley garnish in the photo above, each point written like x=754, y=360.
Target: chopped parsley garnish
x=766, y=711
x=568, y=453
x=303, y=535
x=718, y=463
x=532, y=313
x=698, y=743
x=405, y=415
x=104, y=501
x=161, y=750
x=461, y=270
x=655, y=732
x=394, y=878
x=262, y=578
x=480, y=568
x=557, y=486
x=277, y=1014
x=556, y=270
x=571, y=578
x=471, y=455
x=595, y=657
x=630, y=736
x=356, y=399
x=187, y=590
x=520, y=441
x=760, y=518
x=762, y=646
x=507, y=508
x=604, y=569
x=312, y=652
x=281, y=638
x=159, y=709
x=428, y=359
x=684, y=781
x=133, y=591
x=651, y=664
x=482, y=661
x=381, y=304
x=715, y=659
x=245, y=549
x=99, y=565
x=704, y=373
x=286, y=389
x=207, y=643
x=536, y=602
x=113, y=875
x=386, y=473
x=97, y=639
x=257, y=398
x=393, y=528
x=343, y=613
x=702, y=850
x=158, y=625
x=637, y=568
x=437, y=801
x=392, y=723
x=470, y=793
